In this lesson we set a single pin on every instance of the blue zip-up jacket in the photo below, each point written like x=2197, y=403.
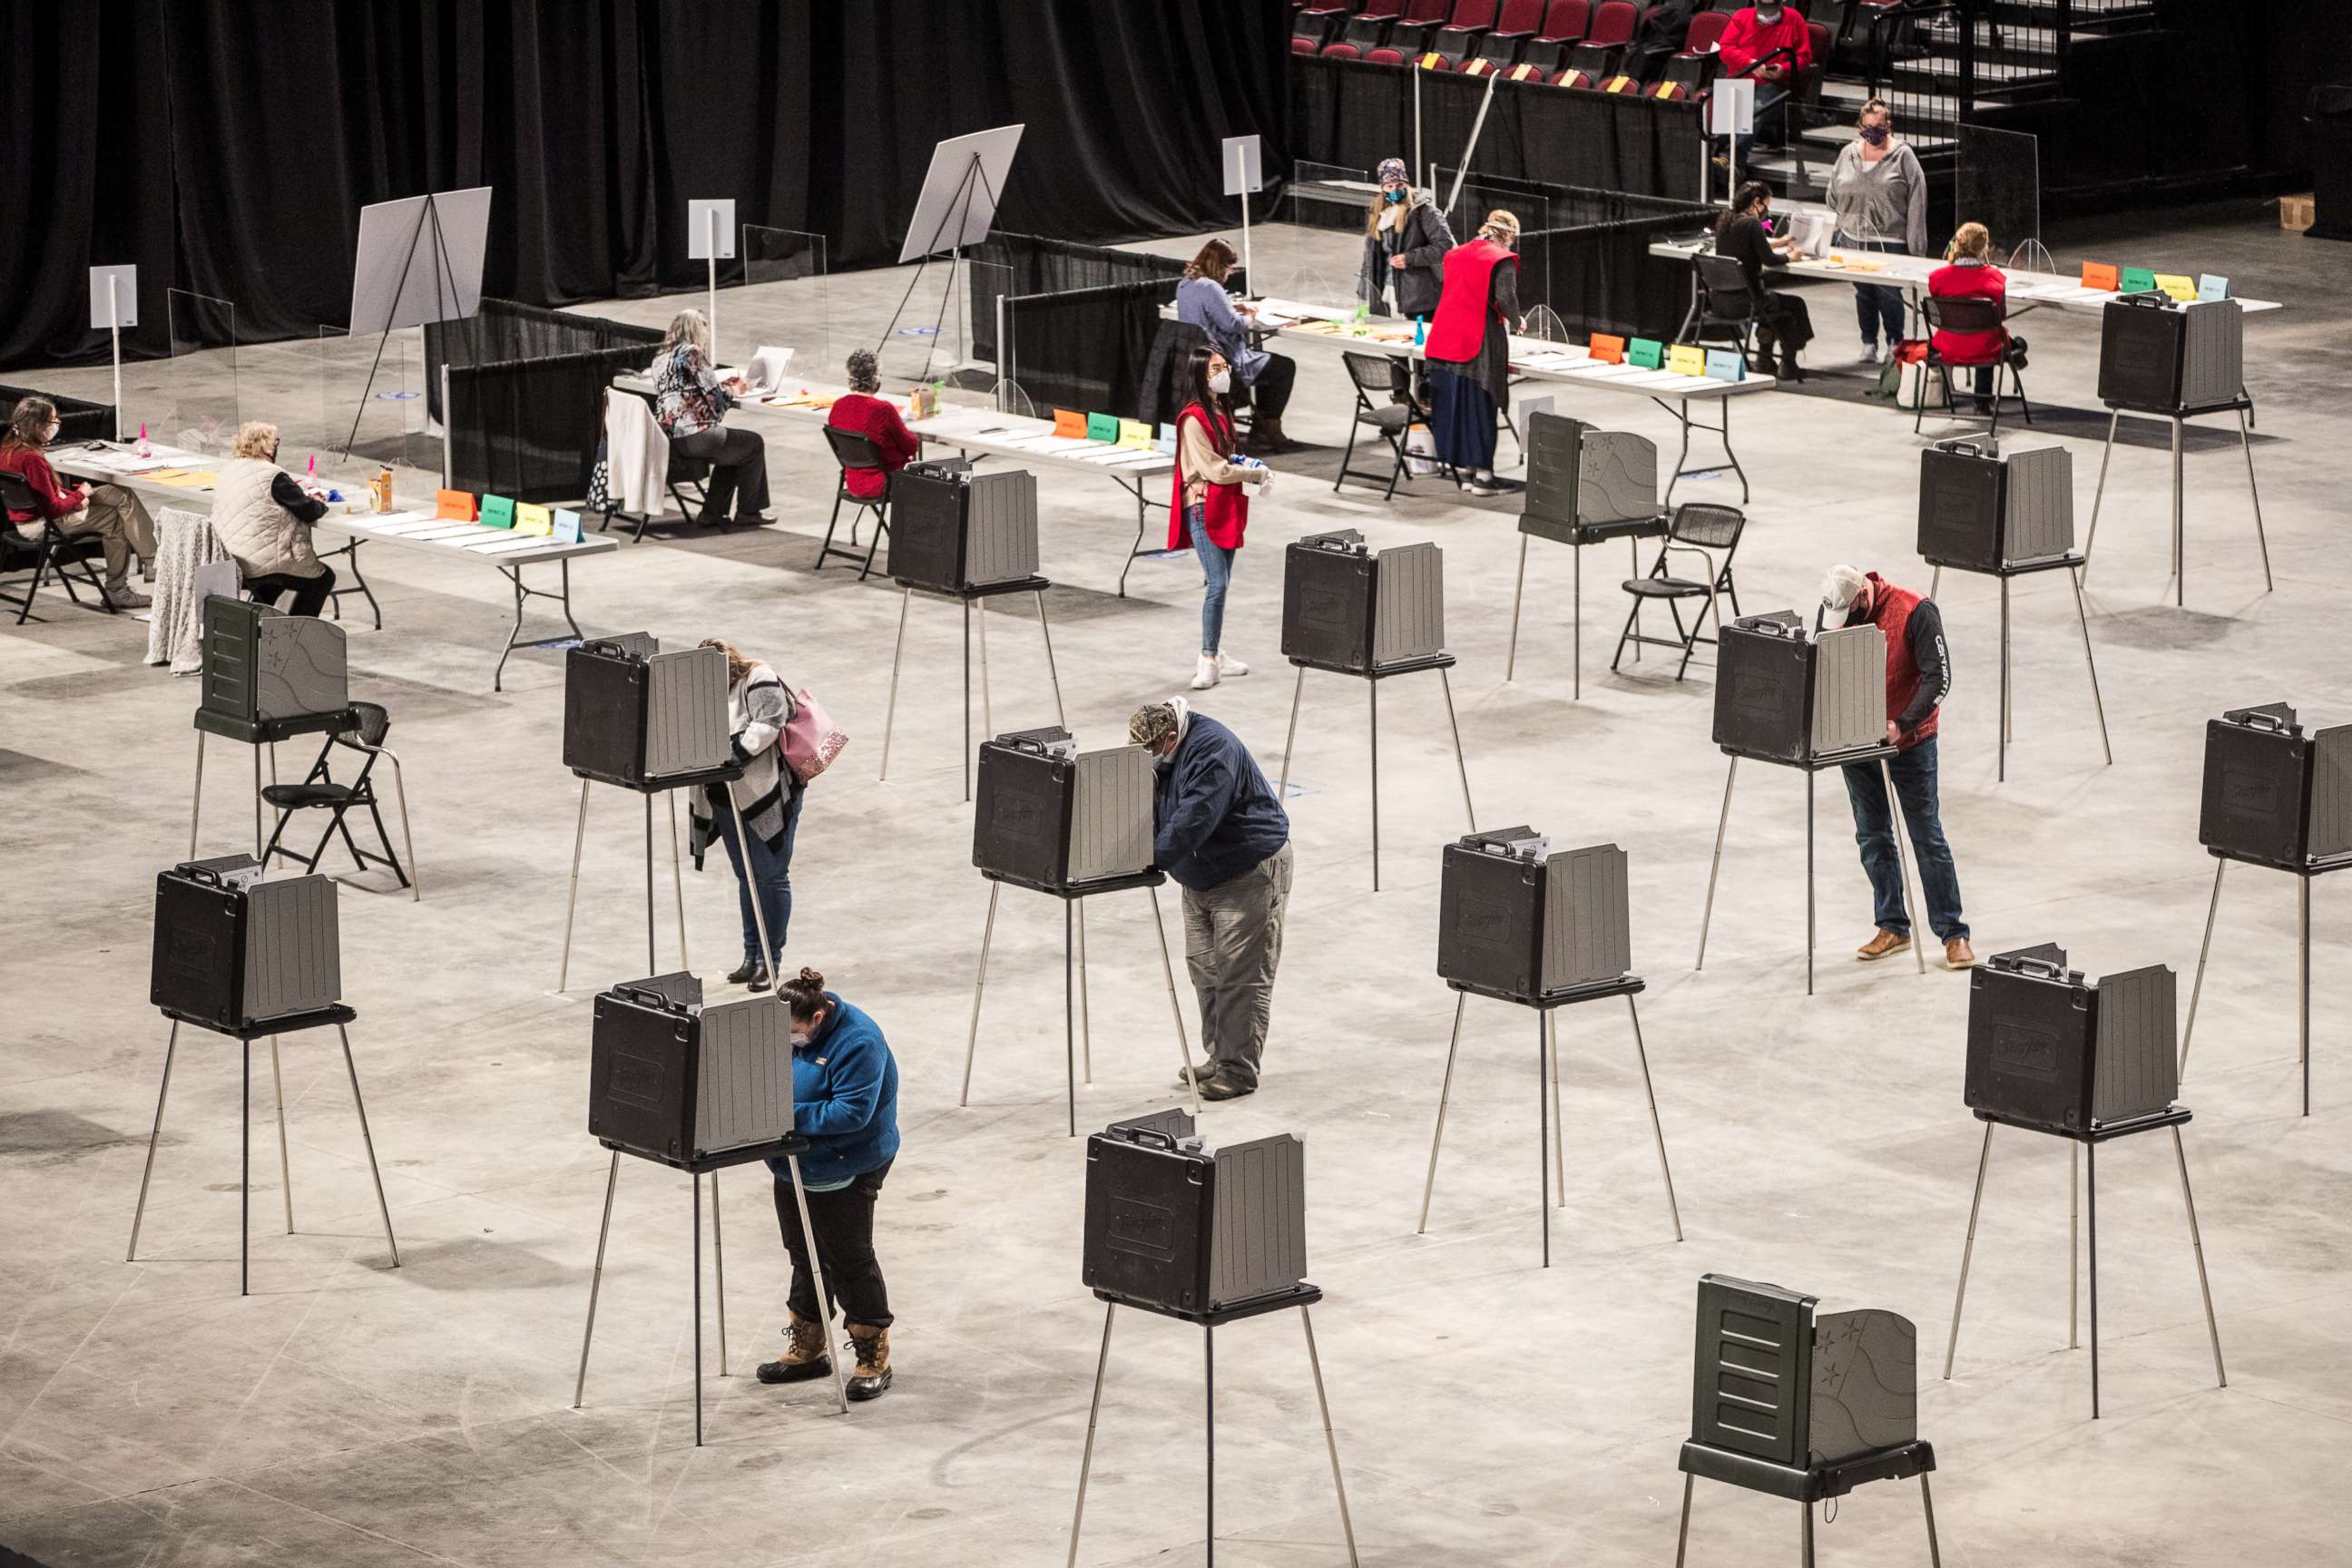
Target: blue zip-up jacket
x=1214, y=815
x=845, y=1098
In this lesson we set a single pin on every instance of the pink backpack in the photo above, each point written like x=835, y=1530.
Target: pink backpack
x=811, y=739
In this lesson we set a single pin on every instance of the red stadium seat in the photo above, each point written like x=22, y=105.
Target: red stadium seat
x=1565, y=22
x=1342, y=52
x=1459, y=37
x=1302, y=44
x=1705, y=31
x=1369, y=27
x=1432, y=61
x=1382, y=56
x=1613, y=23
x=1514, y=26
x=1411, y=32
x=1317, y=25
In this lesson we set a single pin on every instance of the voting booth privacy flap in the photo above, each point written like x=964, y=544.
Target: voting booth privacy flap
x=260, y=665
x=673, y=1078
x=2160, y=356
x=1983, y=509
x=1781, y=695
x=953, y=528
x=1174, y=1227
x=633, y=715
x=2274, y=794
x=2049, y=1050
x=1348, y=607
x=1515, y=920
x=1050, y=815
x=233, y=948
x=1775, y=1379
x=1581, y=477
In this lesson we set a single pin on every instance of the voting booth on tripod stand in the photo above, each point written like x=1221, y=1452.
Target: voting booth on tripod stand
x=1585, y=486
x=1521, y=924
x=1207, y=1236
x=2178, y=361
x=1070, y=825
x=250, y=957
x=2004, y=515
x=696, y=1087
x=2090, y=1063
x=2277, y=798
x=1811, y=704
x=1374, y=615
x=266, y=677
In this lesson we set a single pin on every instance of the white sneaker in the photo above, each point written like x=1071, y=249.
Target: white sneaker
x=1204, y=673
x=1885, y=352
x=1870, y=353
x=1228, y=664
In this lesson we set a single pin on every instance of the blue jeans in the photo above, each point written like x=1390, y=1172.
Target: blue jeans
x=1914, y=773
x=1876, y=305
x=772, y=875
x=1217, y=566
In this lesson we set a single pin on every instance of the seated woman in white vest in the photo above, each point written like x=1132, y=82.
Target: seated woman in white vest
x=263, y=517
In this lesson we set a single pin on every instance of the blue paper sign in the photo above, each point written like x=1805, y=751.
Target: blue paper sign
x=2212, y=286
x=1726, y=364
x=567, y=526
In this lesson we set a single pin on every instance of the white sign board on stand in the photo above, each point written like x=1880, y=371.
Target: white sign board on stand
x=420, y=260
x=1730, y=111
x=710, y=239
x=1244, y=176
x=961, y=190
x=114, y=305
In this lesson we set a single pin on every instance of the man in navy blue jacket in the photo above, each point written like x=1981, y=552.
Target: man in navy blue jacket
x=1221, y=833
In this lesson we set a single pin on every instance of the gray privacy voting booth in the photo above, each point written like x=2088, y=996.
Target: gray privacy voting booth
x=1585, y=486
x=267, y=677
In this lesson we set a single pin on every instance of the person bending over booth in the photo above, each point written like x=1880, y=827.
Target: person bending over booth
x=1969, y=274
x=1221, y=833
x=1469, y=352
x=1210, y=514
x=1202, y=302
x=1919, y=679
x=118, y=517
x=1405, y=244
x=691, y=402
x=863, y=411
x=769, y=795
x=263, y=516
x=1781, y=318
x=845, y=1103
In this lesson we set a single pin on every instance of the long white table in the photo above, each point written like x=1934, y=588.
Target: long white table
x=1333, y=329
x=987, y=432
x=115, y=463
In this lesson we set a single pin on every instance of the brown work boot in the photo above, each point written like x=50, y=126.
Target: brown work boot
x=1958, y=954
x=873, y=1373
x=804, y=1354
x=1880, y=946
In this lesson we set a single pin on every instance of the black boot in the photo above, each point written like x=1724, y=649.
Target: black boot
x=750, y=973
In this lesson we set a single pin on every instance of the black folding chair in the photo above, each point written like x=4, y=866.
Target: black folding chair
x=852, y=450
x=52, y=548
x=321, y=791
x=1391, y=419
x=1711, y=533
x=681, y=473
x=1724, y=305
x=1963, y=315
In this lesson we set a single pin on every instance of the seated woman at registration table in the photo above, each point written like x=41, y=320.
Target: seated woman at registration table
x=1265, y=378
x=263, y=515
x=1740, y=234
x=691, y=404
x=109, y=511
x=1969, y=274
x=865, y=412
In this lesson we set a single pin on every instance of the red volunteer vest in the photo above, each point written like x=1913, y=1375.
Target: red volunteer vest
x=1225, y=507
x=1459, y=328
x=1890, y=612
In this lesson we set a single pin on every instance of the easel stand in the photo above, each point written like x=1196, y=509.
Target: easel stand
x=258, y=733
x=958, y=210
x=271, y=1029
x=2304, y=875
x=1582, y=535
x=969, y=597
x=726, y=774
x=2072, y=565
x=1548, y=1113
x=1371, y=678
x=1809, y=1484
x=790, y=1150
x=2089, y=1141
x=1075, y=1023
x=446, y=300
x=1809, y=767
x=1303, y=1297
x=2241, y=407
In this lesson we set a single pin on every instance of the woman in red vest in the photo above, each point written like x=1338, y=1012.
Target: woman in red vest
x=1209, y=511
x=1469, y=351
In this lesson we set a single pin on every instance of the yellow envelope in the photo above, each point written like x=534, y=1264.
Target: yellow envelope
x=1687, y=359
x=1134, y=433
x=2176, y=286
x=530, y=519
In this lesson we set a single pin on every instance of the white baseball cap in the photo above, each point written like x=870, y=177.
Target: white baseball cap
x=1840, y=588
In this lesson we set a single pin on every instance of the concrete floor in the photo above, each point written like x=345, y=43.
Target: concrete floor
x=1488, y=1412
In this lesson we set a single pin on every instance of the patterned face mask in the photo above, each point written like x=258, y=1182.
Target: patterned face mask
x=1874, y=134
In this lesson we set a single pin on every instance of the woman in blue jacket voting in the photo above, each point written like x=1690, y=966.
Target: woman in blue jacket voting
x=846, y=1100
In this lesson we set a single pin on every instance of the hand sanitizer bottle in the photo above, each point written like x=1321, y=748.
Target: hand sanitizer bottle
x=145, y=449
x=1420, y=330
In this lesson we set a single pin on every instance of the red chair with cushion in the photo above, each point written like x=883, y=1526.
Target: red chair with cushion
x=1300, y=44
x=1411, y=32
x=1342, y=52
x=1458, y=39
x=1312, y=27
x=1563, y=27
x=1369, y=28
x=1705, y=31
x=1515, y=24
x=1382, y=56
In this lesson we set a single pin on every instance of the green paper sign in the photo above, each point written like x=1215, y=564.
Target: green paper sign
x=1646, y=353
x=2137, y=281
x=1102, y=426
x=498, y=511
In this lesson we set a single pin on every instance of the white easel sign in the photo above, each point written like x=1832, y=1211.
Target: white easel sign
x=1244, y=174
x=710, y=238
x=114, y=305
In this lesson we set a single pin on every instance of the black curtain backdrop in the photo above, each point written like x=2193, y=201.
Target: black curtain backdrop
x=227, y=146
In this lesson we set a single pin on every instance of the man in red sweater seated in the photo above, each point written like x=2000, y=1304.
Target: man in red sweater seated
x=1970, y=275
x=862, y=413
x=1753, y=45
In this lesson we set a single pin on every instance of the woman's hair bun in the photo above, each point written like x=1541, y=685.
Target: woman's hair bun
x=812, y=979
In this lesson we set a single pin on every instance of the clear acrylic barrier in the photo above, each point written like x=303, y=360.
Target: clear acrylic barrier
x=1467, y=208
x=1327, y=195
x=1999, y=185
x=990, y=353
x=784, y=301
x=370, y=409
x=190, y=399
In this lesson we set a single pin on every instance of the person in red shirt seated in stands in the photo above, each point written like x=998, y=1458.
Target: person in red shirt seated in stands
x=109, y=511
x=1970, y=275
x=862, y=413
x=1771, y=43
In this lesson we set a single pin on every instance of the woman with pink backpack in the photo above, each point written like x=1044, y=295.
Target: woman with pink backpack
x=783, y=740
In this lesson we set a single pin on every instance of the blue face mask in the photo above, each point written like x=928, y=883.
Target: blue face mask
x=1396, y=194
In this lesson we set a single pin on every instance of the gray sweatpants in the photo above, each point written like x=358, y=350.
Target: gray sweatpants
x=1232, y=943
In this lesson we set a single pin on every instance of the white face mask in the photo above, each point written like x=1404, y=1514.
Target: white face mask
x=49, y=432
x=1222, y=382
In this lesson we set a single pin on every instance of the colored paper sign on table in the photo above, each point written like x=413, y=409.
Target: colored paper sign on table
x=1102, y=428
x=1647, y=353
x=2176, y=286
x=2099, y=275
x=1134, y=433
x=498, y=511
x=566, y=526
x=2139, y=280
x=1726, y=364
x=1608, y=350
x=1166, y=440
x=1687, y=359
x=454, y=504
x=530, y=519
x=2212, y=286
x=1071, y=423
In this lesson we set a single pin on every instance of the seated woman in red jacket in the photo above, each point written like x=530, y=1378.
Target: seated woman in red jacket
x=1969, y=275
x=862, y=413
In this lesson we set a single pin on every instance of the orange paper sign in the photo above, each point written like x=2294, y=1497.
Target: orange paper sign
x=2099, y=275
x=1069, y=422
x=458, y=505
x=1608, y=350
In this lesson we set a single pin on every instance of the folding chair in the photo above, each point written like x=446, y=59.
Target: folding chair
x=1722, y=300
x=319, y=791
x=1963, y=315
x=54, y=548
x=852, y=450
x=1392, y=418
x=1711, y=533
x=676, y=472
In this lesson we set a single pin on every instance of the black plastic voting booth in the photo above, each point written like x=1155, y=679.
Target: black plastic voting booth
x=266, y=677
x=1585, y=486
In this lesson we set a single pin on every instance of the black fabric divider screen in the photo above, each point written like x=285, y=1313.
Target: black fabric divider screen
x=1351, y=115
x=504, y=330
x=1084, y=349
x=528, y=428
x=77, y=418
x=1025, y=265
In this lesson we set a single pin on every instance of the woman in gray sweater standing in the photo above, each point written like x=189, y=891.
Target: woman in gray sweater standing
x=1880, y=195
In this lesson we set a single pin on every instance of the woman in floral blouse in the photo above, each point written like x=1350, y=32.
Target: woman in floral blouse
x=691, y=404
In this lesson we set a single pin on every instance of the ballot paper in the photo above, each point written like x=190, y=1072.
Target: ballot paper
x=386, y=522
x=456, y=531
x=512, y=542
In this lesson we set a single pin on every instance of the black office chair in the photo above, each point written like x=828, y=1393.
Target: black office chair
x=1973, y=316
x=1711, y=533
x=1724, y=305
x=1391, y=418
x=51, y=548
x=321, y=791
x=852, y=450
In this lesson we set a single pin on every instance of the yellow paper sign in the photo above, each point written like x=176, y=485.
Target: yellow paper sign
x=1687, y=359
x=2176, y=286
x=530, y=519
x=1134, y=433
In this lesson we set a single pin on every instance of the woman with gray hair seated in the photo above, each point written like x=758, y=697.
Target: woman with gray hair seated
x=691, y=404
x=865, y=412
